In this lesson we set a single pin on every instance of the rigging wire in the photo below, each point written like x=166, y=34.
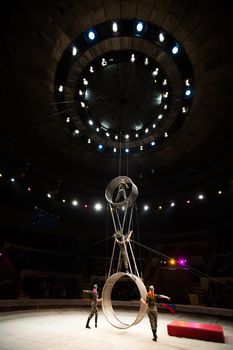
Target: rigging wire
x=138, y=238
x=94, y=244
x=120, y=157
x=106, y=243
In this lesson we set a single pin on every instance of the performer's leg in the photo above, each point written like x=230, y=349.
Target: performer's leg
x=96, y=318
x=90, y=317
x=153, y=324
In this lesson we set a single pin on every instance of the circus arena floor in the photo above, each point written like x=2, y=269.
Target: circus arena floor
x=64, y=329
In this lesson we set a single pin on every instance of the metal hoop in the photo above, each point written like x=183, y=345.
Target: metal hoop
x=113, y=185
x=107, y=302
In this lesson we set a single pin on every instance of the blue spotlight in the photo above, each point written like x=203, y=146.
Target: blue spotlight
x=90, y=35
x=100, y=148
x=175, y=49
x=139, y=28
x=188, y=93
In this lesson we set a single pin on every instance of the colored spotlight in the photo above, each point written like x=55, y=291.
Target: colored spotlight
x=172, y=262
x=182, y=261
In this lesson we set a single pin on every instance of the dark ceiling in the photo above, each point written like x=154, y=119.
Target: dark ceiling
x=35, y=138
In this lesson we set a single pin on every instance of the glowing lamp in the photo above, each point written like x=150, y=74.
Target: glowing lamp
x=182, y=261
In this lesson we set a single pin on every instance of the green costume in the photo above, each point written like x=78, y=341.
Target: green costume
x=152, y=313
x=94, y=307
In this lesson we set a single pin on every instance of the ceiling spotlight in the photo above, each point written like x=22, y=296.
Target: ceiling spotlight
x=98, y=206
x=187, y=83
x=12, y=179
x=155, y=72
x=107, y=134
x=136, y=135
x=165, y=107
x=165, y=134
x=165, y=94
x=91, y=35
x=175, y=50
x=91, y=69
x=154, y=126
x=165, y=82
x=160, y=116
x=80, y=92
x=89, y=141
x=126, y=150
x=114, y=149
x=188, y=92
x=201, y=196
x=160, y=207
x=90, y=122
x=104, y=62
x=184, y=110
x=146, y=207
x=76, y=132
x=114, y=27
x=161, y=37
x=146, y=61
x=75, y=203
x=152, y=143
x=49, y=195
x=116, y=137
x=74, y=51
x=139, y=26
x=60, y=89
x=219, y=192
x=82, y=104
x=68, y=119
x=85, y=82
x=97, y=129
x=132, y=59
x=127, y=136
x=172, y=204
x=141, y=148
x=146, y=130
x=100, y=147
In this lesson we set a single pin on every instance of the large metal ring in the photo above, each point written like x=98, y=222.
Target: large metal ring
x=112, y=187
x=107, y=302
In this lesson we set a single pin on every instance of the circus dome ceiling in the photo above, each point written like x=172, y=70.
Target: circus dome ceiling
x=94, y=89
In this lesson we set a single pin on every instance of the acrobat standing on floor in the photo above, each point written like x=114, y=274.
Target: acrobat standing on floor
x=122, y=241
x=152, y=310
x=94, y=304
x=121, y=194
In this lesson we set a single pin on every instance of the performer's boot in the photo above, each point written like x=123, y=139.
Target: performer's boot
x=154, y=334
x=87, y=325
x=96, y=317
